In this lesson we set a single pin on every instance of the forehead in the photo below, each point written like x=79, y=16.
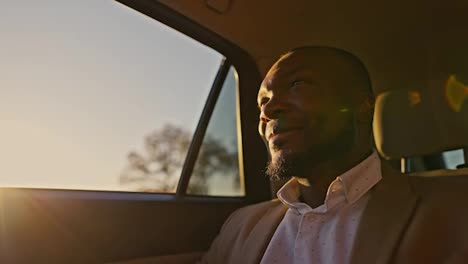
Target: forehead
x=289, y=64
x=297, y=62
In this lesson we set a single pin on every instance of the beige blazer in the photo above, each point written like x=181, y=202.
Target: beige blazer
x=408, y=219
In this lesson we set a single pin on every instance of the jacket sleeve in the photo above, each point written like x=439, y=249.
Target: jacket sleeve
x=219, y=248
x=245, y=234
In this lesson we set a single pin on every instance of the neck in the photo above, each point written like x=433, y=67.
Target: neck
x=317, y=178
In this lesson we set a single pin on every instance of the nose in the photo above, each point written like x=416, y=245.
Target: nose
x=273, y=108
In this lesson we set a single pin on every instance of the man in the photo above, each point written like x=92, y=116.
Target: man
x=342, y=204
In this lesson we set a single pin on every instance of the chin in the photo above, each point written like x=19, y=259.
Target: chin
x=287, y=153
x=281, y=156
x=284, y=164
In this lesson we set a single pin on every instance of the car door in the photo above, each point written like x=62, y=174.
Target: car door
x=99, y=55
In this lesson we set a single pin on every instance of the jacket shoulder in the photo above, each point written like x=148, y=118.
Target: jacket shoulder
x=256, y=209
x=244, y=219
x=257, y=221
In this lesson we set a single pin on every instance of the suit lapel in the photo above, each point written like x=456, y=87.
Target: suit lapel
x=385, y=218
x=260, y=236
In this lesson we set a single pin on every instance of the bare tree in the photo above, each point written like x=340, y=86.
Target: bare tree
x=158, y=169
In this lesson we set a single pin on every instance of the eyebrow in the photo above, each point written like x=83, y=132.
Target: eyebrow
x=297, y=70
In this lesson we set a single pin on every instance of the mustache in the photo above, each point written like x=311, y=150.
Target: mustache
x=274, y=127
x=277, y=126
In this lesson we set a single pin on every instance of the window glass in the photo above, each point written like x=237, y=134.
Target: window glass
x=453, y=158
x=96, y=96
x=216, y=171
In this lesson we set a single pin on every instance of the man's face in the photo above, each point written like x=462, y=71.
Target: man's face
x=302, y=115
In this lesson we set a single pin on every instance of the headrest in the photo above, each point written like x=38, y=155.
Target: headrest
x=412, y=123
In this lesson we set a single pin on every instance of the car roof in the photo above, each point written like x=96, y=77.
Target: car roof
x=401, y=42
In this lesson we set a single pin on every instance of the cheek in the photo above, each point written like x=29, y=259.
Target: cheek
x=325, y=127
x=335, y=125
x=261, y=129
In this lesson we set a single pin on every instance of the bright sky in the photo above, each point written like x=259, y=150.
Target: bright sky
x=82, y=82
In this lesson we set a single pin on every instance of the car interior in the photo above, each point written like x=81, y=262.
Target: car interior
x=416, y=55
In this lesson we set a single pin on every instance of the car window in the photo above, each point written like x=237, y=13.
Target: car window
x=453, y=158
x=96, y=96
x=216, y=170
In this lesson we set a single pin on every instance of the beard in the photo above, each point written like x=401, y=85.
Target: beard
x=285, y=166
x=291, y=164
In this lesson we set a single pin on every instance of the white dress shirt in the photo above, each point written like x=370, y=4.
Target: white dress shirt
x=324, y=234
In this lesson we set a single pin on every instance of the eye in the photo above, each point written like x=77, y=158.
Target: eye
x=296, y=83
x=262, y=102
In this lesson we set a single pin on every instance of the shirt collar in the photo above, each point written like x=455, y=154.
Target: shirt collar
x=361, y=178
x=351, y=185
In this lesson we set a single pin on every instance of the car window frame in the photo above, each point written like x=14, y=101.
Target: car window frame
x=251, y=164
x=252, y=153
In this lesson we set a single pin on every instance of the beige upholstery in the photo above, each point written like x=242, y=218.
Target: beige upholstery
x=437, y=173
x=411, y=123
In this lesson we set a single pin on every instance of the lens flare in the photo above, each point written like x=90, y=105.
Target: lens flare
x=455, y=93
x=414, y=97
